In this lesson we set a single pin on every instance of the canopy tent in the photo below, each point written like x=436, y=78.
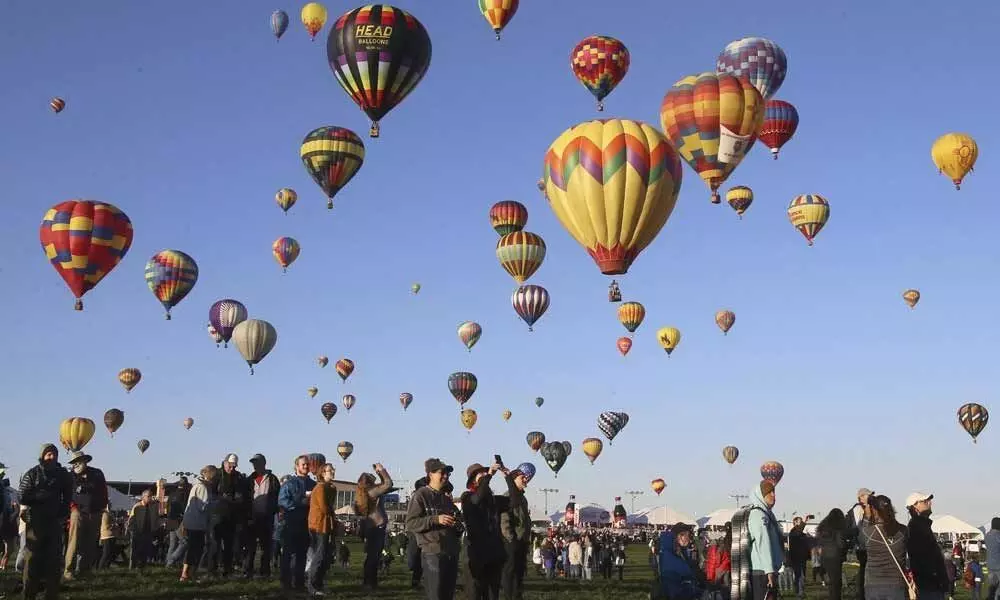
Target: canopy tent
x=120, y=501
x=717, y=518
x=347, y=509
x=587, y=513
x=953, y=527
x=660, y=515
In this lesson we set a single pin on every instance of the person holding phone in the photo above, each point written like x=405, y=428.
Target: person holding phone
x=430, y=516
x=293, y=501
x=369, y=504
x=484, y=547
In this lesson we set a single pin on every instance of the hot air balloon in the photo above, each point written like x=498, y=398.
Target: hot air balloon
x=279, y=23
x=712, y=121
x=809, y=213
x=955, y=155
x=312, y=391
x=171, y=275
x=611, y=423
x=730, y=454
x=498, y=13
x=624, y=345
x=535, y=440
x=379, y=54
x=254, y=338
x=780, y=122
x=555, y=455
x=405, y=400
x=592, y=448
x=188, y=423
x=669, y=337
x=415, y=288
x=57, y=105
x=322, y=361
x=772, y=471
x=84, y=240
x=725, y=319
x=469, y=333
x=344, y=367
x=973, y=418
x=539, y=401
x=113, y=420
x=630, y=315
x=658, y=485
x=520, y=254
x=911, y=297
x=600, y=63
x=286, y=198
x=285, y=250
x=469, y=418
x=462, y=386
x=313, y=17
x=328, y=410
x=349, y=401
x=225, y=315
x=530, y=302
x=129, y=378
x=759, y=60
x=75, y=433
x=612, y=184
x=345, y=449
x=143, y=445
x=508, y=216
x=332, y=157
x=740, y=198
x=506, y=415
x=315, y=460
x=214, y=334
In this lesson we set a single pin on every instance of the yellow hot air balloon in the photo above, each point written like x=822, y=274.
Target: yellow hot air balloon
x=658, y=485
x=129, y=378
x=313, y=18
x=592, y=448
x=520, y=254
x=612, y=184
x=312, y=391
x=712, y=120
x=911, y=297
x=630, y=315
x=669, y=337
x=286, y=198
x=955, y=155
x=506, y=415
x=75, y=432
x=725, y=319
x=469, y=418
x=809, y=213
x=739, y=198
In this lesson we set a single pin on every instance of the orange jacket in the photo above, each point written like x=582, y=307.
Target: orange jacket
x=321, y=508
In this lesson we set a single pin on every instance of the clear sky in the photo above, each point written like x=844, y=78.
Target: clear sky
x=189, y=118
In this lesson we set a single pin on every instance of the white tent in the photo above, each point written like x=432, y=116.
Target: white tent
x=717, y=518
x=347, y=509
x=120, y=501
x=660, y=515
x=953, y=527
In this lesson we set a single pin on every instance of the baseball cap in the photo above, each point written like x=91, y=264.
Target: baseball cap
x=257, y=458
x=436, y=464
x=917, y=497
x=232, y=458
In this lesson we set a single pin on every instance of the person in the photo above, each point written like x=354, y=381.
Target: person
x=90, y=496
x=831, y=541
x=679, y=575
x=766, y=548
x=798, y=554
x=176, y=503
x=198, y=518
x=369, y=504
x=575, y=552
x=484, y=548
x=885, y=540
x=857, y=516
x=817, y=565
x=293, y=501
x=109, y=547
x=9, y=521
x=431, y=516
x=718, y=562
x=515, y=527
x=322, y=529
x=413, y=558
x=141, y=526
x=549, y=559
x=344, y=555
x=46, y=491
x=262, y=493
x=619, y=560
x=231, y=513
x=991, y=543
x=926, y=560
x=974, y=576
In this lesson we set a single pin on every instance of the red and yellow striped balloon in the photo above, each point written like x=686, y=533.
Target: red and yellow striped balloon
x=508, y=216
x=498, y=13
x=520, y=254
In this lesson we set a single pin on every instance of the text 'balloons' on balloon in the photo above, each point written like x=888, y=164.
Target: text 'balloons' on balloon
x=669, y=338
x=171, y=275
x=378, y=53
x=508, y=216
x=612, y=184
x=344, y=368
x=224, y=315
x=955, y=154
x=631, y=315
x=332, y=156
x=84, y=240
x=286, y=198
x=911, y=297
x=129, y=378
x=758, y=60
x=725, y=320
x=498, y=13
x=462, y=386
x=781, y=120
x=313, y=16
x=279, y=23
x=521, y=253
x=973, y=419
x=254, y=338
x=740, y=198
x=600, y=63
x=530, y=302
x=285, y=251
x=809, y=213
x=469, y=333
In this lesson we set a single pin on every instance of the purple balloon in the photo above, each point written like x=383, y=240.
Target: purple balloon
x=225, y=315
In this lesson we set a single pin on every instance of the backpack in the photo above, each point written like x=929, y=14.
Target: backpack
x=740, y=587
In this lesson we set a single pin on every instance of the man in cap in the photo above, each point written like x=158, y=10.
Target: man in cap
x=859, y=516
x=46, y=491
x=766, y=548
x=232, y=511
x=926, y=560
x=90, y=498
x=262, y=492
x=515, y=527
x=431, y=516
x=484, y=545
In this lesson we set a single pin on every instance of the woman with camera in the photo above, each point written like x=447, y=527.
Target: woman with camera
x=369, y=504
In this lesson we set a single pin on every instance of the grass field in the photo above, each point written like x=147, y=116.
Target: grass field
x=161, y=584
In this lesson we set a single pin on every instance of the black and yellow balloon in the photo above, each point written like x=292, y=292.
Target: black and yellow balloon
x=332, y=156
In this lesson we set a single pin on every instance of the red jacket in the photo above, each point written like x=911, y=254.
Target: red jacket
x=717, y=563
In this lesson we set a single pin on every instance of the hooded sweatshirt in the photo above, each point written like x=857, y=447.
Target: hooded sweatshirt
x=421, y=519
x=926, y=560
x=46, y=490
x=766, y=549
x=992, y=543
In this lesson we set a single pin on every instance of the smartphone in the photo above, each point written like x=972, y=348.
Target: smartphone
x=497, y=459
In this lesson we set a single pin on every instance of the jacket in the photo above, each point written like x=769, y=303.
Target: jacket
x=678, y=576
x=575, y=553
x=798, y=546
x=232, y=496
x=717, y=563
x=766, y=549
x=515, y=517
x=200, y=504
x=177, y=502
x=262, y=496
x=322, y=503
x=107, y=532
x=46, y=492
x=90, y=491
x=926, y=560
x=856, y=519
x=481, y=513
x=833, y=545
x=421, y=519
x=293, y=502
x=376, y=513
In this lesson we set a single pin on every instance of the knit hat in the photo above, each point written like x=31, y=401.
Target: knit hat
x=46, y=448
x=766, y=487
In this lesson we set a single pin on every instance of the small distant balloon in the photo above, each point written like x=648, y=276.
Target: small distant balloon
x=57, y=105
x=143, y=445
x=286, y=198
x=911, y=297
x=349, y=400
x=725, y=319
x=188, y=423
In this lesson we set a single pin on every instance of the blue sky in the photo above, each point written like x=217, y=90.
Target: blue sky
x=189, y=120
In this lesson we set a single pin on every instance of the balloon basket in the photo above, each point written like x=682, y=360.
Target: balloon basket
x=167, y=316
x=329, y=204
x=373, y=131
x=78, y=305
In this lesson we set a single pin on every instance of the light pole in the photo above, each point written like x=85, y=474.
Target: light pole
x=739, y=498
x=634, y=493
x=547, y=491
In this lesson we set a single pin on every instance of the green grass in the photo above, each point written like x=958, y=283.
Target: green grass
x=161, y=584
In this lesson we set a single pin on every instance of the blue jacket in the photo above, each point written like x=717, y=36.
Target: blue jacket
x=292, y=499
x=677, y=578
x=767, y=552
